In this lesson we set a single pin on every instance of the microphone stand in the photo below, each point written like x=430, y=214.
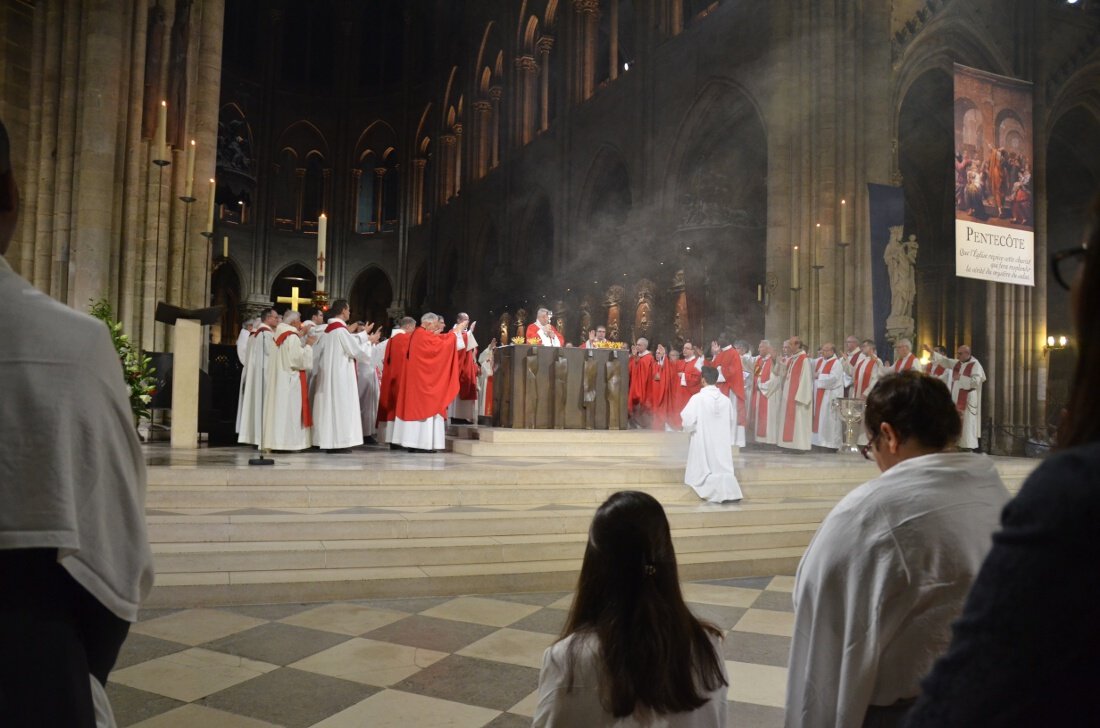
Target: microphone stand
x=260, y=459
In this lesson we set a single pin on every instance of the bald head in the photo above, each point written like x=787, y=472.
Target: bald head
x=643, y=344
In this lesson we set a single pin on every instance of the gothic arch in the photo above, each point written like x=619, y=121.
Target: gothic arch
x=227, y=291
x=608, y=168
x=296, y=273
x=304, y=137
x=371, y=295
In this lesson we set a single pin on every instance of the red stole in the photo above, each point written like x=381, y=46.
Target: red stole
x=335, y=324
x=964, y=394
x=760, y=403
x=307, y=416
x=263, y=327
x=794, y=375
x=904, y=365
x=819, y=396
x=468, y=371
x=936, y=370
x=863, y=376
x=728, y=361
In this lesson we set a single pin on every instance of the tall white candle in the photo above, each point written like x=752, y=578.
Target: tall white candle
x=191, y=169
x=210, y=212
x=159, y=143
x=322, y=239
x=225, y=246
x=794, y=268
x=844, y=231
x=759, y=293
x=817, y=245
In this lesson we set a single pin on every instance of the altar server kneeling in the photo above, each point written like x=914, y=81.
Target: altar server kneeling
x=710, y=416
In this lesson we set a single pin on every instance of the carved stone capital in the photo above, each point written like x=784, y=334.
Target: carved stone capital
x=379, y=172
x=458, y=128
x=545, y=44
x=483, y=105
x=495, y=93
x=420, y=163
x=448, y=140
x=587, y=7
x=527, y=63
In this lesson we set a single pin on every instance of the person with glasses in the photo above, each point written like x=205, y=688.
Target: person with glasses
x=967, y=377
x=889, y=569
x=1026, y=651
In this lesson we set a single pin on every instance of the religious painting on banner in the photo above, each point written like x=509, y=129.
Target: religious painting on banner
x=994, y=206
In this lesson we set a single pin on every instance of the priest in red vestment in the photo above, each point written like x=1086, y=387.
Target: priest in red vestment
x=642, y=369
x=464, y=408
x=731, y=379
x=543, y=331
x=428, y=385
x=660, y=389
x=393, y=367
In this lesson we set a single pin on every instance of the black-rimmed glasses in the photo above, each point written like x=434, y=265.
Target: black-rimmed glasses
x=1066, y=264
x=865, y=450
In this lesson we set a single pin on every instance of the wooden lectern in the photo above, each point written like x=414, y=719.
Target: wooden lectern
x=186, y=355
x=550, y=387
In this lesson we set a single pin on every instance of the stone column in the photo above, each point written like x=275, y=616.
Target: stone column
x=446, y=189
x=589, y=12
x=546, y=44
x=379, y=199
x=458, y=157
x=299, y=190
x=483, y=112
x=613, y=23
x=495, y=94
x=418, y=190
x=527, y=72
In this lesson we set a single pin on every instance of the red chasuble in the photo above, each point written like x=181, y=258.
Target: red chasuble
x=967, y=369
x=692, y=379
x=430, y=380
x=393, y=367
x=533, y=333
x=307, y=416
x=728, y=361
x=660, y=392
x=641, y=377
x=794, y=378
x=467, y=371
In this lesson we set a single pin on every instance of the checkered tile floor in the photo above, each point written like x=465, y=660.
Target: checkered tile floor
x=410, y=663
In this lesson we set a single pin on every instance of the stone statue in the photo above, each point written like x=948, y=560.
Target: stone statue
x=521, y=322
x=614, y=393
x=561, y=374
x=588, y=389
x=505, y=325
x=901, y=260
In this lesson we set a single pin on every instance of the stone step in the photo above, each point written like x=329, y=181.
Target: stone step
x=665, y=447
x=174, y=558
x=315, y=585
x=539, y=438
x=304, y=527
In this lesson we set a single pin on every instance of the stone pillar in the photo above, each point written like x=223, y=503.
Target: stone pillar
x=546, y=44
x=418, y=190
x=458, y=157
x=379, y=199
x=526, y=74
x=589, y=12
x=483, y=112
x=675, y=17
x=495, y=94
x=446, y=189
x=299, y=196
x=613, y=46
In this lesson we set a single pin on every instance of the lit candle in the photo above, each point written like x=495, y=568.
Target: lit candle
x=191, y=170
x=210, y=213
x=794, y=269
x=759, y=293
x=817, y=245
x=844, y=222
x=159, y=144
x=322, y=236
x=225, y=247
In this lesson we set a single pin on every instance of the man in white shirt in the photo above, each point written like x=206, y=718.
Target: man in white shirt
x=891, y=565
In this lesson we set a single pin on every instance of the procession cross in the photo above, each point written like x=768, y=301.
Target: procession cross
x=321, y=264
x=293, y=299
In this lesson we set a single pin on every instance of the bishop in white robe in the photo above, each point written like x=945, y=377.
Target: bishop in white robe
x=485, y=380
x=261, y=348
x=370, y=382
x=288, y=422
x=712, y=420
x=796, y=406
x=337, y=419
x=967, y=377
x=828, y=431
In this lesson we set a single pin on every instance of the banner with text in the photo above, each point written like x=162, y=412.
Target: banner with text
x=994, y=219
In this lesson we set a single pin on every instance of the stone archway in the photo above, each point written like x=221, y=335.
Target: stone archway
x=370, y=298
x=225, y=291
x=294, y=275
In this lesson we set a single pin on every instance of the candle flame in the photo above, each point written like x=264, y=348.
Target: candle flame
x=164, y=104
x=844, y=202
x=192, y=142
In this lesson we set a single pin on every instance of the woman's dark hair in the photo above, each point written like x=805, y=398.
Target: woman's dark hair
x=655, y=654
x=1080, y=424
x=916, y=406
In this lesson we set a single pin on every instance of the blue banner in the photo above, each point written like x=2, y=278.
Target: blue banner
x=886, y=207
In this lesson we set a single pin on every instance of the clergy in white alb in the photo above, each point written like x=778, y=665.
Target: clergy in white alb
x=938, y=369
x=849, y=359
x=370, y=381
x=261, y=348
x=242, y=352
x=485, y=381
x=796, y=405
x=890, y=567
x=905, y=359
x=288, y=422
x=337, y=420
x=828, y=431
x=967, y=376
x=712, y=420
x=767, y=384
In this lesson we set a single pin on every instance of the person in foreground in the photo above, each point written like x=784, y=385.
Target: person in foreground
x=631, y=653
x=710, y=416
x=1026, y=650
x=890, y=567
x=75, y=562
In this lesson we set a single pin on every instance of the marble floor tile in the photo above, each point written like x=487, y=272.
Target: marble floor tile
x=509, y=720
x=722, y=617
x=140, y=648
x=759, y=649
x=190, y=716
x=191, y=674
x=539, y=599
x=748, y=715
x=269, y=611
x=412, y=605
x=291, y=698
x=196, y=626
x=565, y=603
x=526, y=707
x=482, y=611
x=396, y=709
x=344, y=618
x=548, y=621
x=131, y=705
x=726, y=596
x=757, y=684
x=469, y=680
x=512, y=646
x=278, y=644
x=748, y=582
x=765, y=621
x=777, y=601
x=782, y=583
x=445, y=635
x=370, y=662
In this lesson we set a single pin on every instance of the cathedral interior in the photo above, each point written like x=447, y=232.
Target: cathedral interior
x=646, y=165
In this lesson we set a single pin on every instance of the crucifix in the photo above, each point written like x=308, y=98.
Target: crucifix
x=320, y=269
x=293, y=299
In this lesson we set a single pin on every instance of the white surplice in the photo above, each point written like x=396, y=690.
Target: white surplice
x=261, y=348
x=242, y=353
x=484, y=374
x=799, y=418
x=882, y=580
x=370, y=384
x=429, y=434
x=966, y=382
x=337, y=420
x=712, y=420
x=830, y=430
x=283, y=407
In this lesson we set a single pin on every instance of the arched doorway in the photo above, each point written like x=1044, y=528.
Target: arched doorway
x=370, y=298
x=225, y=291
x=293, y=276
x=949, y=310
x=418, y=292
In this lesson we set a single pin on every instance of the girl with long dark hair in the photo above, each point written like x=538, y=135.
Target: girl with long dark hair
x=631, y=653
